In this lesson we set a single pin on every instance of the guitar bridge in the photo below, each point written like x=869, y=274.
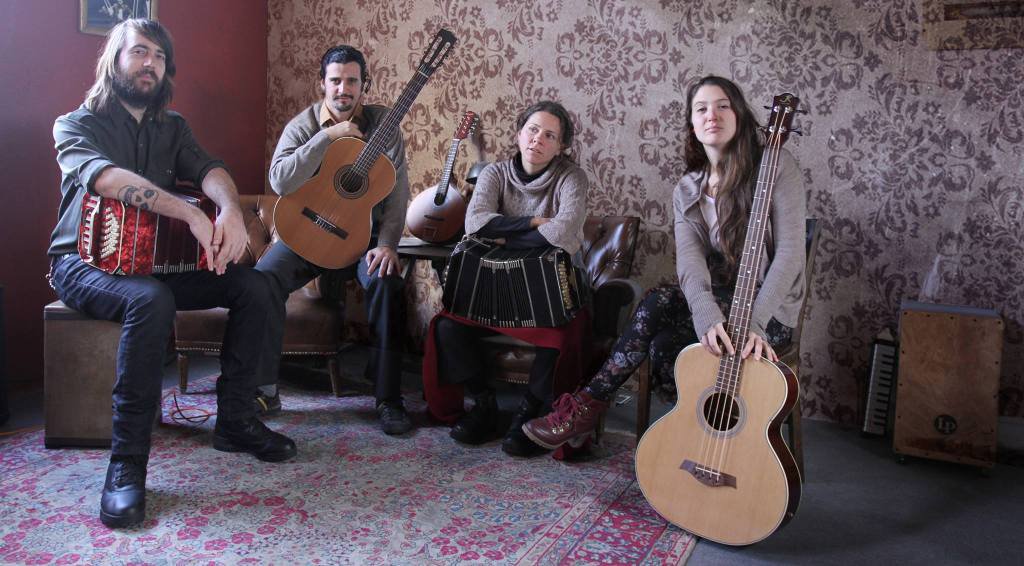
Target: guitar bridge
x=707, y=475
x=324, y=223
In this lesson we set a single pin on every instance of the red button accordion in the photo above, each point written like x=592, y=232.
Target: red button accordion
x=121, y=239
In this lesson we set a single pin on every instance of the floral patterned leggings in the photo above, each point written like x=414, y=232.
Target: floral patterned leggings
x=661, y=328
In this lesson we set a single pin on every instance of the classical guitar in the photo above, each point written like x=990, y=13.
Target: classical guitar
x=327, y=219
x=438, y=213
x=716, y=464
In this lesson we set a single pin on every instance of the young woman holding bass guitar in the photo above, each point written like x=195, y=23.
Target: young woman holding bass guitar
x=713, y=203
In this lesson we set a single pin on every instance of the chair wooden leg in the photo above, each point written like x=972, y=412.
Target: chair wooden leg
x=182, y=372
x=643, y=399
x=796, y=435
x=332, y=370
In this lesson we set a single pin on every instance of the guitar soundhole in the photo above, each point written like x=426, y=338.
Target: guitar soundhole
x=721, y=412
x=349, y=183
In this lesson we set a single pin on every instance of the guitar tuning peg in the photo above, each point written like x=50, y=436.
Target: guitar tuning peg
x=796, y=131
x=766, y=107
x=799, y=111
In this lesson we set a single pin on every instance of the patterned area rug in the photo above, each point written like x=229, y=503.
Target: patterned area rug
x=352, y=496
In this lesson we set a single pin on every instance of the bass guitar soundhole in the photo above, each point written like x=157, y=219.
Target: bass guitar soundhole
x=349, y=183
x=721, y=413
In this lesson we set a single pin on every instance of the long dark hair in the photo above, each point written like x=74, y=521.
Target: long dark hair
x=101, y=95
x=737, y=169
x=556, y=110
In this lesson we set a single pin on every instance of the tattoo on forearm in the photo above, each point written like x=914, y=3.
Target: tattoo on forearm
x=138, y=197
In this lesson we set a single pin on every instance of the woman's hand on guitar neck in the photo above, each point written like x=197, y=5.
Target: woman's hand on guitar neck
x=760, y=347
x=755, y=344
x=711, y=340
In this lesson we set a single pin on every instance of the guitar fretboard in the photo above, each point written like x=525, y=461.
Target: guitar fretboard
x=446, y=175
x=742, y=307
x=382, y=135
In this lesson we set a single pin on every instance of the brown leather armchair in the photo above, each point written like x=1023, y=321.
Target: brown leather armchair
x=313, y=326
x=609, y=244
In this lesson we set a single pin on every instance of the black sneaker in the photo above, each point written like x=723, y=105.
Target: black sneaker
x=393, y=418
x=480, y=423
x=252, y=436
x=123, y=503
x=267, y=405
x=516, y=443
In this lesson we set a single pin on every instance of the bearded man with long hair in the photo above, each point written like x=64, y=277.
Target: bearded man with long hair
x=124, y=144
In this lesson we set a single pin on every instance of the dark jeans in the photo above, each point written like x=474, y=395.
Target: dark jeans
x=661, y=327
x=385, y=312
x=460, y=359
x=145, y=306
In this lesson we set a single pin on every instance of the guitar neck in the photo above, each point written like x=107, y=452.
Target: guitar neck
x=446, y=174
x=382, y=135
x=742, y=309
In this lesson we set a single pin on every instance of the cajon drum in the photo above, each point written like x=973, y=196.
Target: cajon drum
x=947, y=397
x=79, y=368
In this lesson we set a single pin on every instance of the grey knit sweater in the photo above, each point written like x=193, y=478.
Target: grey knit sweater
x=781, y=293
x=560, y=194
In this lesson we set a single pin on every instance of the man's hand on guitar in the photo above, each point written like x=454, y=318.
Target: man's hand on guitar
x=760, y=347
x=229, y=239
x=346, y=129
x=711, y=340
x=383, y=257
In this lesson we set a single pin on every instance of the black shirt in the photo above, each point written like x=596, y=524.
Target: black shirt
x=161, y=150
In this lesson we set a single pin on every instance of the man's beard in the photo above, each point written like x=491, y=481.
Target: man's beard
x=345, y=105
x=125, y=89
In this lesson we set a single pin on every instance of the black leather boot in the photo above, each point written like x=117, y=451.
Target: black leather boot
x=479, y=424
x=393, y=418
x=123, y=503
x=252, y=436
x=516, y=442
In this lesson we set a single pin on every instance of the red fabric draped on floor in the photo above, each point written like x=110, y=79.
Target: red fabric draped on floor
x=445, y=400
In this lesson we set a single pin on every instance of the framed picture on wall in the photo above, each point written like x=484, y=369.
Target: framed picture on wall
x=98, y=16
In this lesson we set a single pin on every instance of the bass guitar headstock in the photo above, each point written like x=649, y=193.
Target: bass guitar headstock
x=780, y=123
x=467, y=126
x=437, y=52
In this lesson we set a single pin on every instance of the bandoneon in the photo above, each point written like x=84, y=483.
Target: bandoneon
x=513, y=288
x=124, y=240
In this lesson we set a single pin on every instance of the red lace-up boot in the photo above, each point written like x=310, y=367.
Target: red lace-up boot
x=572, y=419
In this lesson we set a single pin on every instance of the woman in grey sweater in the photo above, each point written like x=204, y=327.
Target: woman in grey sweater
x=712, y=204
x=537, y=198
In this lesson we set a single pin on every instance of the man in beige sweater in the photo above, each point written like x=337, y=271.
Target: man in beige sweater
x=299, y=153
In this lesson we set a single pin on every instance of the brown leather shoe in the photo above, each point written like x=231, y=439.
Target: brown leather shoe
x=572, y=419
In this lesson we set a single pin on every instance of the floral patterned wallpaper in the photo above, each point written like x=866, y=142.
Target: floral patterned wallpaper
x=912, y=157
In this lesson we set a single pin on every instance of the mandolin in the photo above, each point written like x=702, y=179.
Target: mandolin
x=438, y=213
x=327, y=220
x=716, y=464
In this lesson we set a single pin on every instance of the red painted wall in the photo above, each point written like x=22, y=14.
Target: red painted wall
x=46, y=66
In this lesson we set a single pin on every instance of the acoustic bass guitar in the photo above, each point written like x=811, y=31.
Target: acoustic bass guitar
x=716, y=464
x=327, y=219
x=437, y=214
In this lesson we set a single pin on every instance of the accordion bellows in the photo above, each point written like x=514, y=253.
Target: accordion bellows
x=538, y=287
